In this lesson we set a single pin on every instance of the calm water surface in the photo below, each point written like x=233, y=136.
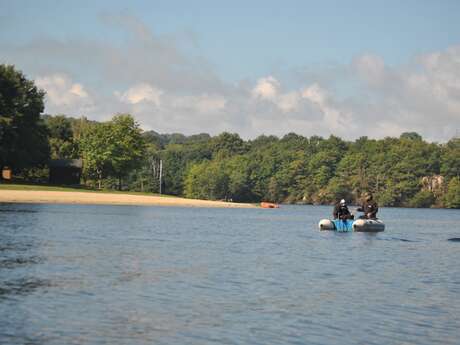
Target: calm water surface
x=153, y=275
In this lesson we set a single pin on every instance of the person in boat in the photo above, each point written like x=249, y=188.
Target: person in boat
x=369, y=207
x=341, y=211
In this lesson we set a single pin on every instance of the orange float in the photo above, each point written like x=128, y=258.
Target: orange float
x=268, y=205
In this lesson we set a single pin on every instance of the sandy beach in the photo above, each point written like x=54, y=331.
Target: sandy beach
x=55, y=197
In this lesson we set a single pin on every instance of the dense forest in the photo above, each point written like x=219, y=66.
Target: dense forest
x=117, y=154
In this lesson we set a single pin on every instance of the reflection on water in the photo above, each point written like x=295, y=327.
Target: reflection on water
x=8, y=209
x=14, y=246
x=19, y=261
x=22, y=286
x=398, y=239
x=454, y=239
x=72, y=274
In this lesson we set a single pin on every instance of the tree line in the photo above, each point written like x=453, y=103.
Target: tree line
x=118, y=154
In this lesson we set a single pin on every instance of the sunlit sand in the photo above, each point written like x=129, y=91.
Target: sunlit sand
x=54, y=197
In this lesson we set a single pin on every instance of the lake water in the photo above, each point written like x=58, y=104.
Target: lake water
x=74, y=274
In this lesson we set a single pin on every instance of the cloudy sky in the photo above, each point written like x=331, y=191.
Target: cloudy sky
x=349, y=68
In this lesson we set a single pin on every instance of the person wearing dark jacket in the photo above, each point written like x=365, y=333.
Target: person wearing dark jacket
x=369, y=207
x=341, y=211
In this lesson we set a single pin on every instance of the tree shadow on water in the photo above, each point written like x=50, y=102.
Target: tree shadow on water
x=11, y=263
x=22, y=286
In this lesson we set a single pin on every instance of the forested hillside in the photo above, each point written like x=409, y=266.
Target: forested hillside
x=404, y=171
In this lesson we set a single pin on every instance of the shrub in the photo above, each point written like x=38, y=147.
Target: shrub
x=422, y=199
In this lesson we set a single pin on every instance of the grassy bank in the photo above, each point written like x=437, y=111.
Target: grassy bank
x=52, y=188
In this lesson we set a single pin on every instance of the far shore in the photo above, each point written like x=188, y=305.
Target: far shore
x=101, y=198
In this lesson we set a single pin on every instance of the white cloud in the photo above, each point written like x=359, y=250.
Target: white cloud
x=206, y=103
x=315, y=94
x=370, y=68
x=289, y=102
x=60, y=90
x=269, y=89
x=266, y=88
x=62, y=93
x=337, y=120
x=141, y=92
x=439, y=80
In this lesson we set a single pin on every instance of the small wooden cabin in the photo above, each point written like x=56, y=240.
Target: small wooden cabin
x=7, y=174
x=65, y=171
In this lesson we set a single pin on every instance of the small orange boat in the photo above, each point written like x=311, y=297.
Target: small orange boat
x=264, y=204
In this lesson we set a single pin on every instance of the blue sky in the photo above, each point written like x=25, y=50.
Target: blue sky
x=239, y=66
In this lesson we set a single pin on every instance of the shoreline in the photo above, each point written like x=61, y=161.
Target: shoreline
x=101, y=198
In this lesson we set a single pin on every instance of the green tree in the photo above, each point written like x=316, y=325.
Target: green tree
x=227, y=144
x=146, y=177
x=411, y=136
x=23, y=136
x=452, y=198
x=114, y=148
x=207, y=180
x=338, y=189
x=275, y=191
x=322, y=167
x=450, y=159
x=239, y=182
x=262, y=141
x=60, y=136
x=423, y=199
x=263, y=164
x=174, y=168
x=96, y=149
x=127, y=146
x=403, y=164
x=196, y=184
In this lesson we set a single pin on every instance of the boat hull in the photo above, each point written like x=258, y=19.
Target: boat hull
x=359, y=225
x=368, y=225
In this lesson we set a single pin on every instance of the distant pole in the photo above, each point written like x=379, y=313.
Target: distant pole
x=154, y=170
x=81, y=127
x=161, y=174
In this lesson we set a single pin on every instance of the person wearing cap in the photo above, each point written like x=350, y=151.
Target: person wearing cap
x=369, y=207
x=341, y=211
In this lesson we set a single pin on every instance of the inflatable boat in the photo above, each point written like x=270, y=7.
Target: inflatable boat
x=358, y=225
